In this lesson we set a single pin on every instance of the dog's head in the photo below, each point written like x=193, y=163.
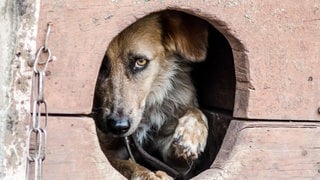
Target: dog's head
x=139, y=65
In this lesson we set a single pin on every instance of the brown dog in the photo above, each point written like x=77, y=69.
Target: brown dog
x=144, y=89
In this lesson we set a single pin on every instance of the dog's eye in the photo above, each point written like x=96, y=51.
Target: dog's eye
x=140, y=63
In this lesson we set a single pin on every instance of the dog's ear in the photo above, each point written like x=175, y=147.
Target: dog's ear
x=185, y=35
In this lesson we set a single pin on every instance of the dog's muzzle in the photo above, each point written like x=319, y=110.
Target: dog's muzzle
x=118, y=126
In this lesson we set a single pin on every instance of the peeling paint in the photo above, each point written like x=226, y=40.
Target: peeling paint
x=22, y=7
x=18, y=43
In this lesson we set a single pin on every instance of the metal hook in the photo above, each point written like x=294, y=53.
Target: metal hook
x=47, y=37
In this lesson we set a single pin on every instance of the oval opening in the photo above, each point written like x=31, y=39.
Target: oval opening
x=215, y=83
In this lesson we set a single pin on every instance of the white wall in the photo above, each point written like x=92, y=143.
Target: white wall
x=18, y=22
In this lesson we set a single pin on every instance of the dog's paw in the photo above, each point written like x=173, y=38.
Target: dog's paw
x=190, y=136
x=149, y=175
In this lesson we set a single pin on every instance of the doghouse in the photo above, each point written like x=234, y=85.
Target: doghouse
x=266, y=86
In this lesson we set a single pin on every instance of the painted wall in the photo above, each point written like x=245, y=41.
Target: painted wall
x=18, y=22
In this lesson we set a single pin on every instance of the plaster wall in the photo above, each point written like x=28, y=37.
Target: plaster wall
x=18, y=22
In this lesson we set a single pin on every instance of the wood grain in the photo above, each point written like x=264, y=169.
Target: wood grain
x=268, y=150
x=73, y=151
x=274, y=45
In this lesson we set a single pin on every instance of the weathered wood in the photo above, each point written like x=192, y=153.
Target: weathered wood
x=251, y=150
x=276, y=59
x=276, y=63
x=73, y=151
x=268, y=150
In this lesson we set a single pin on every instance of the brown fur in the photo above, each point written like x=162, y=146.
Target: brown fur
x=158, y=99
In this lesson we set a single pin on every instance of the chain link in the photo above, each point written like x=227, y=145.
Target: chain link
x=37, y=134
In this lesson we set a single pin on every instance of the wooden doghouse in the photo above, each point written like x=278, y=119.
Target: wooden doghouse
x=274, y=96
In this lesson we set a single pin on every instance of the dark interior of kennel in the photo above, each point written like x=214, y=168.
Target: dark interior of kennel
x=215, y=77
x=215, y=84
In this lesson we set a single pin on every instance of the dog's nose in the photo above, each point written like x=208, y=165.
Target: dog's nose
x=118, y=126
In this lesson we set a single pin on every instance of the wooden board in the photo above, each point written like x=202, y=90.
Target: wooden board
x=73, y=151
x=250, y=150
x=274, y=46
x=268, y=150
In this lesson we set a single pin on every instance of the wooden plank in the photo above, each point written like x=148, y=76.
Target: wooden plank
x=268, y=150
x=251, y=150
x=73, y=151
x=278, y=41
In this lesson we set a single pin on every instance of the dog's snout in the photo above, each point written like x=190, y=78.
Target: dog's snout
x=118, y=126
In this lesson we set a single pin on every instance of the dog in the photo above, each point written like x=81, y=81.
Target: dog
x=144, y=89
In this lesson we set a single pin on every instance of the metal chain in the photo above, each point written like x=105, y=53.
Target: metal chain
x=37, y=134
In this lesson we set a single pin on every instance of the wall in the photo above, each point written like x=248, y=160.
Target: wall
x=18, y=23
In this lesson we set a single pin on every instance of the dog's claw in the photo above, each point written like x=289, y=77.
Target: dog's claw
x=177, y=140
